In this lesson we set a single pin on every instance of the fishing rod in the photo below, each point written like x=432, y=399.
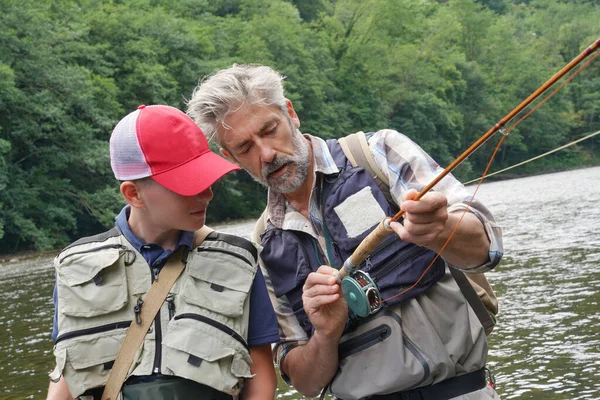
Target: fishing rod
x=383, y=229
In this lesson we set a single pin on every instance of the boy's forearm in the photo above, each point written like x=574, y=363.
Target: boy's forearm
x=264, y=383
x=59, y=390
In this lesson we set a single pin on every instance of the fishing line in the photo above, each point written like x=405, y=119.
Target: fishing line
x=484, y=175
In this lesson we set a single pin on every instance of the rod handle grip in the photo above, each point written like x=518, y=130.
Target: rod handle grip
x=365, y=248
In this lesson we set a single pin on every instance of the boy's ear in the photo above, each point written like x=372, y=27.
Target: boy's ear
x=131, y=193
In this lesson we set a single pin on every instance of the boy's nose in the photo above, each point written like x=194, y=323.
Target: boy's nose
x=206, y=195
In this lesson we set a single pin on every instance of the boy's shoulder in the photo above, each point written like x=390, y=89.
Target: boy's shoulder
x=100, y=238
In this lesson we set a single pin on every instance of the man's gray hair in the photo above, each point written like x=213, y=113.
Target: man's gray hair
x=229, y=89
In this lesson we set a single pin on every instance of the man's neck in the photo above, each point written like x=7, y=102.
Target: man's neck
x=300, y=197
x=142, y=227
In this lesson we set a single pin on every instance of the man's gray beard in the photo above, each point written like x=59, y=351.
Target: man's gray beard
x=286, y=183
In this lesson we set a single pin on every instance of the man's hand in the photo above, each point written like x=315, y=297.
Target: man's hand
x=427, y=223
x=424, y=220
x=312, y=366
x=324, y=303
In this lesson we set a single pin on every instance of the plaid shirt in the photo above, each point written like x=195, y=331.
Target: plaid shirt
x=407, y=166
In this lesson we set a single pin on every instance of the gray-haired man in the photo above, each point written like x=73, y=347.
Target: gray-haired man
x=429, y=345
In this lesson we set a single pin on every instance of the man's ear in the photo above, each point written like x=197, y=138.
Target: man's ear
x=131, y=193
x=292, y=113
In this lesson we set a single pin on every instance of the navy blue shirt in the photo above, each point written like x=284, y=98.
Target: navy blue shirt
x=262, y=328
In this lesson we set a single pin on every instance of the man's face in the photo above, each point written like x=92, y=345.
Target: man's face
x=265, y=141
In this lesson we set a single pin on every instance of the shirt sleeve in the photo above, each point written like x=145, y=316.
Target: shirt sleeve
x=408, y=166
x=262, y=326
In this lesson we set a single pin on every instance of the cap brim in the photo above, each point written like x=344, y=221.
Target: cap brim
x=196, y=175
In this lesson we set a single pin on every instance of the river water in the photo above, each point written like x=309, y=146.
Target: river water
x=547, y=341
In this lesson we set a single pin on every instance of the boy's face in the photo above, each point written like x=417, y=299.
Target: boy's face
x=167, y=210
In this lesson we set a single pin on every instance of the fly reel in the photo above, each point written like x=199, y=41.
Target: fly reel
x=361, y=293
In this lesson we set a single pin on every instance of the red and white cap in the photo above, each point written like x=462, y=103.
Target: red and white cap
x=164, y=143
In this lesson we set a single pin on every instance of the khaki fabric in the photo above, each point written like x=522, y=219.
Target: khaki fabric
x=98, y=285
x=420, y=342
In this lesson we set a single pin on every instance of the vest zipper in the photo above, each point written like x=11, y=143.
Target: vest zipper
x=171, y=305
x=90, y=331
x=215, y=324
x=157, y=329
x=107, y=246
x=364, y=341
x=231, y=253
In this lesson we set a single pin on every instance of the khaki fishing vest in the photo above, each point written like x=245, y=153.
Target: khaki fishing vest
x=203, y=330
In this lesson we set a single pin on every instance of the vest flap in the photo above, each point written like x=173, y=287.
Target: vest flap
x=222, y=269
x=80, y=267
x=201, y=340
x=95, y=350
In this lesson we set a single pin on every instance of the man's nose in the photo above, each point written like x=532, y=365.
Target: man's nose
x=267, y=153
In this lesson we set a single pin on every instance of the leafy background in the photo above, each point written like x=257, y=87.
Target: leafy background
x=442, y=72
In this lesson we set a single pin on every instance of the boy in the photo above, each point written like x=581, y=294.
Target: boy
x=214, y=331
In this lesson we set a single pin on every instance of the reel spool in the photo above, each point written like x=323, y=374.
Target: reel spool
x=361, y=293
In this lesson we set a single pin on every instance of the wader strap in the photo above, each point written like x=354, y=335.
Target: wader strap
x=473, y=298
x=152, y=302
x=443, y=390
x=356, y=149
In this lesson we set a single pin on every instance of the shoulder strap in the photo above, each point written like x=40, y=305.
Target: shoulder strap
x=154, y=299
x=472, y=297
x=356, y=149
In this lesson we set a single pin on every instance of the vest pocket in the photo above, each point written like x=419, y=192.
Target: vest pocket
x=394, y=362
x=88, y=360
x=91, y=283
x=217, y=281
x=204, y=351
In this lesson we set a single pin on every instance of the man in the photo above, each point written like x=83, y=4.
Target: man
x=211, y=339
x=428, y=345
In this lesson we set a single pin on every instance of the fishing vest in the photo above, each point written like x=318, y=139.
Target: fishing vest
x=199, y=334
x=395, y=265
x=425, y=336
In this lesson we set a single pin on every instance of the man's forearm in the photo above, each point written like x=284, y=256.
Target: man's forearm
x=312, y=366
x=469, y=247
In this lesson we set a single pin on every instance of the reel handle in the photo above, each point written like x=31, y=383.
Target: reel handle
x=365, y=248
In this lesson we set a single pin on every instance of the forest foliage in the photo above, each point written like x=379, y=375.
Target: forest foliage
x=442, y=72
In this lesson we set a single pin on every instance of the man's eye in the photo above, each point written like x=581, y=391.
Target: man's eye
x=245, y=150
x=272, y=130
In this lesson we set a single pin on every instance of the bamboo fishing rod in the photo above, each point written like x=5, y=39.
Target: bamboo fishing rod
x=383, y=229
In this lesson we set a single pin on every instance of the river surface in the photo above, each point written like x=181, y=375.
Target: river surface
x=547, y=341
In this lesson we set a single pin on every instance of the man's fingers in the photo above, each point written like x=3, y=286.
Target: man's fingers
x=314, y=303
x=439, y=215
x=319, y=290
x=428, y=203
x=421, y=235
